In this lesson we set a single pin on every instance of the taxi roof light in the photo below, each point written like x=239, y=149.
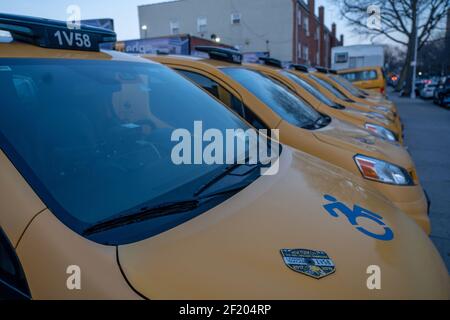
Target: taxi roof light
x=54, y=34
x=322, y=69
x=222, y=54
x=272, y=62
x=302, y=68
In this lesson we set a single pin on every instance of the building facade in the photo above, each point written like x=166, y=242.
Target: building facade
x=288, y=30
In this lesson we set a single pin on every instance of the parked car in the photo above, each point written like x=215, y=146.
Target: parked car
x=89, y=191
x=442, y=92
x=383, y=110
x=420, y=84
x=362, y=96
x=368, y=116
x=428, y=91
x=262, y=97
x=368, y=78
x=392, y=79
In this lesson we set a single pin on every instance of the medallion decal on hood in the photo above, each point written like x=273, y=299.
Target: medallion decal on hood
x=316, y=264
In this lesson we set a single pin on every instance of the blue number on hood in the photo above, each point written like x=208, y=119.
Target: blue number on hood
x=335, y=206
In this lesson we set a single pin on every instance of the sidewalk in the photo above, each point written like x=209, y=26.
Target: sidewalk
x=427, y=136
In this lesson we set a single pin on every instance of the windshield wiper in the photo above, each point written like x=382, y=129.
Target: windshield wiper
x=218, y=177
x=170, y=208
x=144, y=214
x=321, y=122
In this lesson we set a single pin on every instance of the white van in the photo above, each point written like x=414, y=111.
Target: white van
x=357, y=56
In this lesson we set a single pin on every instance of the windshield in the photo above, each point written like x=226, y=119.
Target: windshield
x=287, y=105
x=94, y=137
x=305, y=85
x=348, y=85
x=330, y=88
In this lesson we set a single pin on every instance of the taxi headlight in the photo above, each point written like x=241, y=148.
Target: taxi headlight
x=384, y=172
x=381, y=132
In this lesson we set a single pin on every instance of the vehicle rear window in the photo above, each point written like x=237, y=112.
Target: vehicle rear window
x=365, y=75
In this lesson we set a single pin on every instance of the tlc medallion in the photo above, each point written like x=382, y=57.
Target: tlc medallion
x=316, y=264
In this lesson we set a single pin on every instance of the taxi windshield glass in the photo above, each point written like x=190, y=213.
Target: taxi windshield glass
x=329, y=87
x=305, y=85
x=348, y=86
x=289, y=107
x=94, y=138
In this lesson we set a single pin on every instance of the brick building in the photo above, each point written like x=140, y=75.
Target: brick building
x=288, y=30
x=314, y=40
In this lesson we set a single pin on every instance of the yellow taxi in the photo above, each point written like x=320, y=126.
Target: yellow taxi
x=92, y=205
x=333, y=93
x=366, y=78
x=372, y=100
x=264, y=103
x=372, y=121
x=375, y=100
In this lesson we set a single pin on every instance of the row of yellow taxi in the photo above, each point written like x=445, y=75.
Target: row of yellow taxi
x=92, y=205
x=290, y=100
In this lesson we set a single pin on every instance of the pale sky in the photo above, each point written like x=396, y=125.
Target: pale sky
x=125, y=13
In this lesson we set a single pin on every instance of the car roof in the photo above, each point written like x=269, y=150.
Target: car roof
x=16, y=49
x=263, y=67
x=184, y=59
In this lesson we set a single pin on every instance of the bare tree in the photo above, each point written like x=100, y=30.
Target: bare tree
x=394, y=58
x=400, y=21
x=434, y=56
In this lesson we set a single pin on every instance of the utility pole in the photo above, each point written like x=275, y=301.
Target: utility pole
x=414, y=63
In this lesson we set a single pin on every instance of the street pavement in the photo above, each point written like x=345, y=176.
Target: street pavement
x=427, y=137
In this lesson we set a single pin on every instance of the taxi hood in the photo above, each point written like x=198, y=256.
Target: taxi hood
x=368, y=117
x=359, y=141
x=233, y=251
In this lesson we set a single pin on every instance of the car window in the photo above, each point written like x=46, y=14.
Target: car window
x=12, y=278
x=347, y=85
x=365, y=75
x=94, y=138
x=305, y=85
x=329, y=87
x=288, y=106
x=368, y=75
x=226, y=97
x=215, y=89
x=350, y=76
